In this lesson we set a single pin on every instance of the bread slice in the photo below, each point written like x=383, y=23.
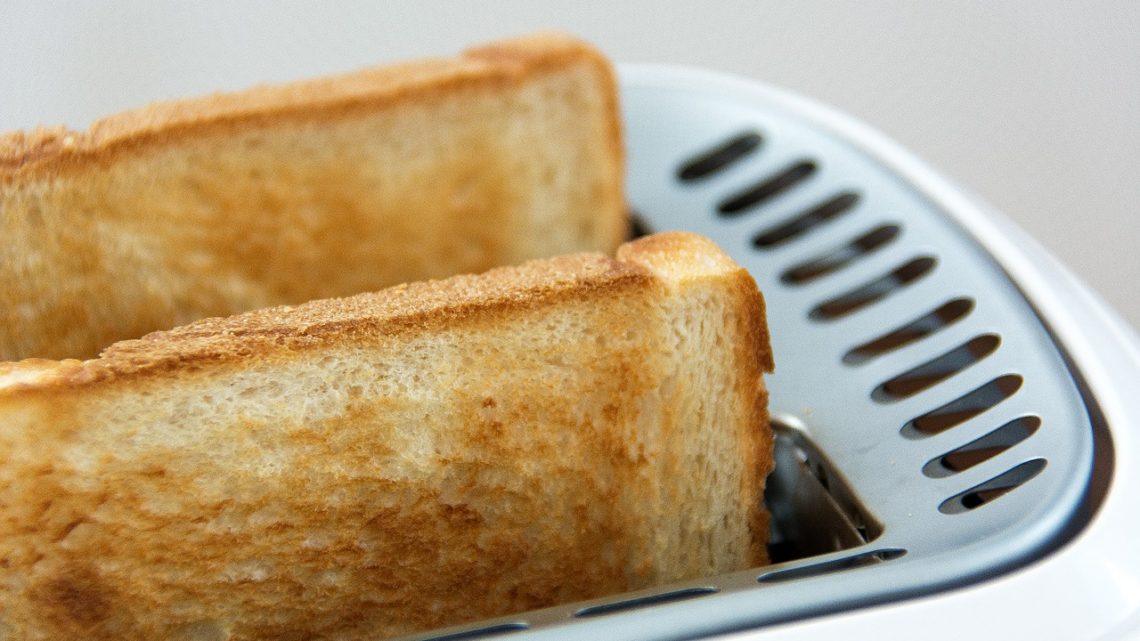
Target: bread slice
x=331, y=187
x=427, y=455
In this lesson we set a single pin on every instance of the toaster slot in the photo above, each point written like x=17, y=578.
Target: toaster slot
x=814, y=511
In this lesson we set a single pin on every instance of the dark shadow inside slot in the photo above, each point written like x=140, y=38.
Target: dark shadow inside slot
x=963, y=408
x=645, y=601
x=994, y=488
x=874, y=291
x=835, y=565
x=637, y=226
x=811, y=219
x=719, y=157
x=916, y=330
x=767, y=189
x=480, y=633
x=814, y=510
x=840, y=257
x=936, y=370
x=982, y=448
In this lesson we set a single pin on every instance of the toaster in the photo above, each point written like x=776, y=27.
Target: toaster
x=956, y=415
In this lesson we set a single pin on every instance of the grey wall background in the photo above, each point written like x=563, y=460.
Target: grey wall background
x=1034, y=105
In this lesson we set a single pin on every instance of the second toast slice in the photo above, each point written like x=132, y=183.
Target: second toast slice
x=283, y=194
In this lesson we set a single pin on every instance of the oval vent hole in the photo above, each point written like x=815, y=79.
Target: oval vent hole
x=480, y=633
x=835, y=565
x=767, y=188
x=915, y=330
x=719, y=157
x=982, y=449
x=873, y=291
x=840, y=257
x=963, y=408
x=646, y=601
x=989, y=491
x=937, y=369
x=809, y=220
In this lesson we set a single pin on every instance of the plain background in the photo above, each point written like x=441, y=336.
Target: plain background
x=1033, y=105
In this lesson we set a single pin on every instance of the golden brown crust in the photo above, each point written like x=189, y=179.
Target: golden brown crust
x=683, y=251
x=754, y=358
x=424, y=305
x=49, y=151
x=413, y=307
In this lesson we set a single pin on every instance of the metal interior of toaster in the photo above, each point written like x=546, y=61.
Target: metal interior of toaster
x=813, y=509
x=929, y=432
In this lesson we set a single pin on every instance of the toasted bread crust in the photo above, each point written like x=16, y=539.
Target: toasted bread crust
x=752, y=358
x=409, y=308
x=52, y=151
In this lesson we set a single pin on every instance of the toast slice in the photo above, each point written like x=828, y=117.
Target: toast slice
x=426, y=455
x=284, y=194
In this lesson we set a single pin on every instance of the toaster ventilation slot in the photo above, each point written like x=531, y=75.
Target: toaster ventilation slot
x=875, y=290
x=982, y=449
x=835, y=565
x=646, y=601
x=720, y=157
x=916, y=330
x=480, y=633
x=992, y=489
x=767, y=188
x=840, y=257
x=809, y=220
x=963, y=408
x=936, y=370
